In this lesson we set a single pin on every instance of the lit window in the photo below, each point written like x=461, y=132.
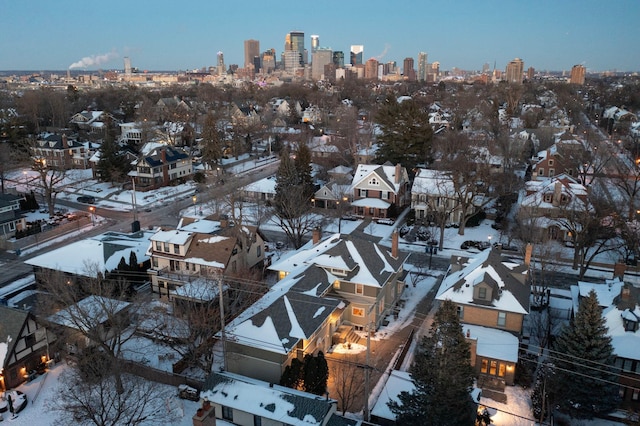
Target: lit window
x=336, y=284
x=485, y=366
x=493, y=367
x=357, y=312
x=502, y=369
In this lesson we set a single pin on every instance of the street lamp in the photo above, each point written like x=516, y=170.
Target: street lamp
x=92, y=210
x=489, y=237
x=194, y=198
x=26, y=182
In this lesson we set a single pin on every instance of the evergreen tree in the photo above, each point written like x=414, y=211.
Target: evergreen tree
x=292, y=377
x=316, y=374
x=406, y=133
x=442, y=375
x=113, y=165
x=584, y=382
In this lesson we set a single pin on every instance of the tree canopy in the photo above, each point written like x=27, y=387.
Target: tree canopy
x=442, y=375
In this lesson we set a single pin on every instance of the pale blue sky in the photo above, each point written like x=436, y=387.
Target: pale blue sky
x=183, y=35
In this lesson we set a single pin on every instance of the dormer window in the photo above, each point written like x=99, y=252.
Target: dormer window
x=629, y=320
x=482, y=293
x=338, y=271
x=548, y=198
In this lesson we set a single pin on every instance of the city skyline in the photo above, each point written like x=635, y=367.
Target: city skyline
x=546, y=35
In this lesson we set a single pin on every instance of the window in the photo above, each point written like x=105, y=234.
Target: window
x=336, y=284
x=502, y=319
x=460, y=310
x=627, y=365
x=548, y=198
x=493, y=367
x=384, y=195
x=357, y=312
x=257, y=421
x=154, y=262
x=502, y=369
x=176, y=248
x=363, y=193
x=485, y=366
x=227, y=413
x=552, y=172
x=635, y=395
x=166, y=247
x=482, y=293
x=551, y=162
x=540, y=172
x=359, y=289
x=374, y=181
x=372, y=211
x=259, y=251
x=158, y=246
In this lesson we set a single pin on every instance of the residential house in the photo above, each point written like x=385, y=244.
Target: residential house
x=492, y=298
x=181, y=256
x=566, y=156
x=168, y=107
x=341, y=174
x=244, y=115
x=280, y=107
x=24, y=346
x=396, y=383
x=11, y=218
x=376, y=188
x=161, y=165
x=332, y=195
x=60, y=151
x=92, y=121
x=225, y=397
x=86, y=258
x=262, y=190
x=434, y=198
x=547, y=202
x=94, y=316
x=326, y=288
x=620, y=303
x=322, y=147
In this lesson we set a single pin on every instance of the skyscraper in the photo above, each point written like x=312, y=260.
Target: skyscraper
x=514, y=71
x=269, y=60
x=251, y=50
x=295, y=41
x=371, y=69
x=408, y=70
x=577, y=74
x=357, y=52
x=422, y=66
x=221, y=69
x=321, y=57
x=338, y=59
x=127, y=65
x=315, y=44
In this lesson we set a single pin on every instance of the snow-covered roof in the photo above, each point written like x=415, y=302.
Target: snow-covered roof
x=398, y=381
x=96, y=254
x=487, y=267
x=436, y=182
x=173, y=236
x=88, y=313
x=560, y=185
x=264, y=186
x=371, y=202
x=278, y=404
x=625, y=343
x=606, y=292
x=202, y=289
x=387, y=173
x=493, y=343
x=203, y=226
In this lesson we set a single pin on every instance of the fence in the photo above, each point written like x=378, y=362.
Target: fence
x=42, y=237
x=160, y=376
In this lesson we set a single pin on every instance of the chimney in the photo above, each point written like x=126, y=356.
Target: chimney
x=398, y=173
x=527, y=255
x=316, y=235
x=205, y=417
x=557, y=192
x=65, y=142
x=394, y=244
x=618, y=270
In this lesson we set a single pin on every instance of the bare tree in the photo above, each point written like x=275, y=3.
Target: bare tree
x=348, y=380
x=81, y=400
x=49, y=182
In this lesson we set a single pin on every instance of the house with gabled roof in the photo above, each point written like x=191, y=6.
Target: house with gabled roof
x=245, y=401
x=434, y=198
x=547, y=201
x=160, y=166
x=331, y=195
x=566, y=156
x=24, y=346
x=11, y=218
x=195, y=253
x=61, y=151
x=493, y=293
x=376, y=188
x=91, y=121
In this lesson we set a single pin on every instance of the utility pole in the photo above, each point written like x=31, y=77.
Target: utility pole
x=222, y=326
x=367, y=367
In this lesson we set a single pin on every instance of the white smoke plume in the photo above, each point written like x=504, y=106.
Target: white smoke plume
x=387, y=46
x=94, y=60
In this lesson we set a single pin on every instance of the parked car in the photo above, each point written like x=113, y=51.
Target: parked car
x=87, y=199
x=187, y=392
x=386, y=221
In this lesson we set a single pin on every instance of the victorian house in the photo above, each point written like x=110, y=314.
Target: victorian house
x=375, y=189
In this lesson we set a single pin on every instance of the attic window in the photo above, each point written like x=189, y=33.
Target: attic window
x=374, y=181
x=482, y=293
x=338, y=271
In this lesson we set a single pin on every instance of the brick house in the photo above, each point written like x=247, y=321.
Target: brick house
x=375, y=189
x=492, y=298
x=161, y=165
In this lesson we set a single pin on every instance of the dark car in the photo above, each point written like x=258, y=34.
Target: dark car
x=87, y=199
